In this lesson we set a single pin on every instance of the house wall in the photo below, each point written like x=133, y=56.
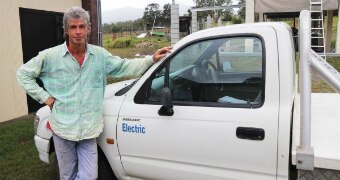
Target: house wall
x=13, y=102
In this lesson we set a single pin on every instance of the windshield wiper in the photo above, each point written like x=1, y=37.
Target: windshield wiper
x=126, y=88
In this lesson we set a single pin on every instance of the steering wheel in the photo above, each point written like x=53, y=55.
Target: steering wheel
x=205, y=74
x=212, y=65
x=206, y=63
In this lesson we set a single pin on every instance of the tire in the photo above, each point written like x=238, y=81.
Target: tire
x=104, y=169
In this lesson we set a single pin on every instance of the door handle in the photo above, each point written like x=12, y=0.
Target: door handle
x=250, y=133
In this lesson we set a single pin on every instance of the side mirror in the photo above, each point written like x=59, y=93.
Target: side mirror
x=166, y=99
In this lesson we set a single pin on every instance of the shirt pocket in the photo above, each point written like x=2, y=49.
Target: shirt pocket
x=97, y=79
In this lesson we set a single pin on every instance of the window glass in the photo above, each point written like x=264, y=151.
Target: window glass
x=241, y=55
x=221, y=71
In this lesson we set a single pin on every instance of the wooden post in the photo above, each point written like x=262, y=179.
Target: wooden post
x=337, y=49
x=329, y=30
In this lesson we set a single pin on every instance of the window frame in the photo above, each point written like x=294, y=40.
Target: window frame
x=144, y=92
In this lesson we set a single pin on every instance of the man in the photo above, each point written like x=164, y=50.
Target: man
x=74, y=76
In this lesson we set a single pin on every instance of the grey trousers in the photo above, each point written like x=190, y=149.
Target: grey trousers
x=76, y=159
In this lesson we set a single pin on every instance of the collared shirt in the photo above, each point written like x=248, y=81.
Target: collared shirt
x=78, y=90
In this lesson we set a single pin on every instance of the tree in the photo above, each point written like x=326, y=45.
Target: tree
x=106, y=28
x=242, y=12
x=139, y=24
x=114, y=28
x=151, y=12
x=166, y=15
x=225, y=14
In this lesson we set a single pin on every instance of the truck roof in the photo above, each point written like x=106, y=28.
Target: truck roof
x=278, y=26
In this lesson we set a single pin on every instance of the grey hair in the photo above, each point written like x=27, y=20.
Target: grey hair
x=75, y=13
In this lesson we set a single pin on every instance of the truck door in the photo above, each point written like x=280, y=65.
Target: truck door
x=225, y=95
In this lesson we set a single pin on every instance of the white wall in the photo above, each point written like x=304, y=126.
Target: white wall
x=13, y=102
x=49, y=5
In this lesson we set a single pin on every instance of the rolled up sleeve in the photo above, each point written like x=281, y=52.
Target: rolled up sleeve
x=118, y=67
x=27, y=75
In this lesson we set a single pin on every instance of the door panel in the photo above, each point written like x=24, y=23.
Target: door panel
x=39, y=30
x=196, y=138
x=200, y=140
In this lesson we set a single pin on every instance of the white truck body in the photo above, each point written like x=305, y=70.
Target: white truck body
x=238, y=139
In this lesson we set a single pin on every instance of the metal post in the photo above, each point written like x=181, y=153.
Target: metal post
x=305, y=80
x=99, y=16
x=305, y=153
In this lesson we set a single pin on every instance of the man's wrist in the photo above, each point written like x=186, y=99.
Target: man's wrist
x=49, y=101
x=43, y=97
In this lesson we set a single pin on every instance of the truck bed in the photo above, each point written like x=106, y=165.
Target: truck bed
x=325, y=137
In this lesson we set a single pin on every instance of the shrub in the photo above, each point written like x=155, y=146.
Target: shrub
x=236, y=20
x=108, y=43
x=121, y=43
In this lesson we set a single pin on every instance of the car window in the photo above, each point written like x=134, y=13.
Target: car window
x=217, y=71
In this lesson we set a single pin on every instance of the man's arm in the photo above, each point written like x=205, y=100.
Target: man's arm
x=118, y=67
x=26, y=76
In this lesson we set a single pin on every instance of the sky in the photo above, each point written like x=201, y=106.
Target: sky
x=113, y=4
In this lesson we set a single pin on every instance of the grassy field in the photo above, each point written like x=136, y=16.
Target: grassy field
x=18, y=155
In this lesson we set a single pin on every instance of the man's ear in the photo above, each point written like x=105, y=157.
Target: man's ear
x=89, y=29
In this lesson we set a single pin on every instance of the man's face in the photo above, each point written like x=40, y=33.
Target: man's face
x=77, y=31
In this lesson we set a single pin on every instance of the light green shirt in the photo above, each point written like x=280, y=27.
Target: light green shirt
x=78, y=90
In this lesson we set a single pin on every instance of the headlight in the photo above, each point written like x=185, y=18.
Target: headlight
x=36, y=123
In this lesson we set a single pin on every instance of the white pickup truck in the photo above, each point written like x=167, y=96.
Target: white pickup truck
x=221, y=106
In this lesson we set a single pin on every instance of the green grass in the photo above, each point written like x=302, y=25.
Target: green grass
x=18, y=155
x=131, y=52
